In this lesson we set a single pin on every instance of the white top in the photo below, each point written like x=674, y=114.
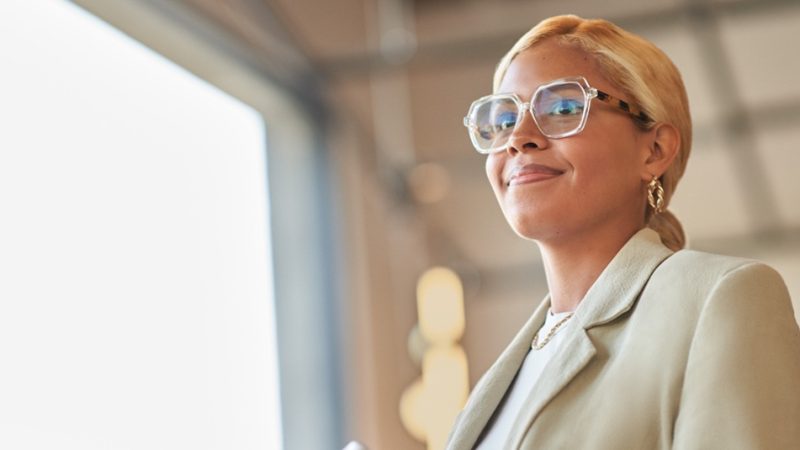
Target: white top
x=500, y=424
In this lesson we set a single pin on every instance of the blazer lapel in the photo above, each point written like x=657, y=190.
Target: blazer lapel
x=491, y=388
x=613, y=293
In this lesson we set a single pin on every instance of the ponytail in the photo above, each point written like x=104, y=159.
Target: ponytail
x=669, y=228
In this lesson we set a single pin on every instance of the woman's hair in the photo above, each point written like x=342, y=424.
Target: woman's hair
x=644, y=74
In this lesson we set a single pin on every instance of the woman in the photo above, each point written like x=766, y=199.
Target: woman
x=639, y=344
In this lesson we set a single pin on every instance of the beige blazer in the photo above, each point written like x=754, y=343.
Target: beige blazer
x=683, y=350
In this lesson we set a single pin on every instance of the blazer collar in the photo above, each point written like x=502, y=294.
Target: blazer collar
x=618, y=286
x=491, y=388
x=613, y=293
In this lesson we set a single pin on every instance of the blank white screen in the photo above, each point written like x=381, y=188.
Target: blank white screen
x=135, y=280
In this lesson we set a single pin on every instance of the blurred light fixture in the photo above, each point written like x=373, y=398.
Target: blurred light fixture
x=413, y=410
x=430, y=404
x=440, y=306
x=444, y=377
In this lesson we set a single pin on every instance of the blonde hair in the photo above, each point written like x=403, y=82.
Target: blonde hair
x=644, y=74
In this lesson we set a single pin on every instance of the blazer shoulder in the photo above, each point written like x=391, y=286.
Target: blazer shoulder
x=697, y=265
x=690, y=272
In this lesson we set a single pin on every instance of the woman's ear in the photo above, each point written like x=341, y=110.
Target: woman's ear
x=663, y=142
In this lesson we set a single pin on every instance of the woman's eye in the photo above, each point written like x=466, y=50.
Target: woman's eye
x=505, y=120
x=566, y=107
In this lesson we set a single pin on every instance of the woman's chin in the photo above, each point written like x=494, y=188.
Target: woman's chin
x=531, y=230
x=542, y=227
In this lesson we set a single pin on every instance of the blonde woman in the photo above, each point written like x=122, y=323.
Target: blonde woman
x=640, y=344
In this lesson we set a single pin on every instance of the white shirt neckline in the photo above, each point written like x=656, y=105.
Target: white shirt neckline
x=530, y=371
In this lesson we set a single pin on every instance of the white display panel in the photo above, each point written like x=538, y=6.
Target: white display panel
x=136, y=307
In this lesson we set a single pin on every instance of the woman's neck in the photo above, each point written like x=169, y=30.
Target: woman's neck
x=573, y=265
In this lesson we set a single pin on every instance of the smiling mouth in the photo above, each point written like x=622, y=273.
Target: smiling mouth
x=532, y=173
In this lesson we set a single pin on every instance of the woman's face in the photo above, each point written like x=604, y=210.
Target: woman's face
x=555, y=188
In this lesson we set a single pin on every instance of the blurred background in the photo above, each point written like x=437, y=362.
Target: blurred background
x=317, y=169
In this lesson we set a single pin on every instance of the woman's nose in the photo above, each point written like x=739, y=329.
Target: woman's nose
x=526, y=136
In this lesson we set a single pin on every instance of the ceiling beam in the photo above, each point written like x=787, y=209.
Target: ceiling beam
x=467, y=51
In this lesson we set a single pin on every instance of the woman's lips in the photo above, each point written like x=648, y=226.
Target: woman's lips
x=532, y=173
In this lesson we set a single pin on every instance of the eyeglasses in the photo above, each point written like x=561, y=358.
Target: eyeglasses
x=559, y=109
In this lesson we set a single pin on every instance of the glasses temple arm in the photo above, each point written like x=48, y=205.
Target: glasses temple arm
x=637, y=113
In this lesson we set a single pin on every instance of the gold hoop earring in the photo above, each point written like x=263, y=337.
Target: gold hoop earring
x=655, y=195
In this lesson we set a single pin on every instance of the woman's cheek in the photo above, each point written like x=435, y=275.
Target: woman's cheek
x=494, y=170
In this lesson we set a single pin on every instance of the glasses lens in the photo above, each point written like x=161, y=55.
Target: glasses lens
x=559, y=109
x=493, y=122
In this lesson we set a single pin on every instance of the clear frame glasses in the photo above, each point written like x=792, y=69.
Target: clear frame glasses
x=559, y=109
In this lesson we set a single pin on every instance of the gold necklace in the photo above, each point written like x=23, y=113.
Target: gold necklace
x=535, y=345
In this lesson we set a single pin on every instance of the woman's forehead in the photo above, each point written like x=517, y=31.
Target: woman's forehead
x=548, y=61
